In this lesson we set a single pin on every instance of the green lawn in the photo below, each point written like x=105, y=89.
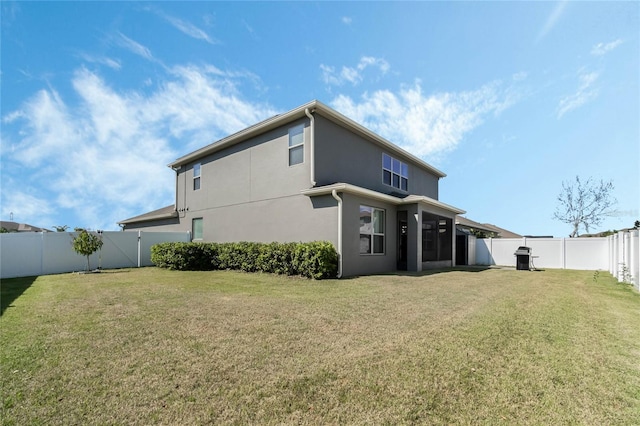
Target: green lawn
x=151, y=346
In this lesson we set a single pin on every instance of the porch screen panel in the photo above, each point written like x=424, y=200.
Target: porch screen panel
x=436, y=238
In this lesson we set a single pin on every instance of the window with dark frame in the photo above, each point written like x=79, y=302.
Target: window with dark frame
x=395, y=173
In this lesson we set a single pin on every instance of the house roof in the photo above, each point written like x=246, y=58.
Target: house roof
x=167, y=212
x=356, y=190
x=468, y=223
x=21, y=227
x=294, y=114
x=502, y=233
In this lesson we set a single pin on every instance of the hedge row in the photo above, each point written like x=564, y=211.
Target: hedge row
x=315, y=260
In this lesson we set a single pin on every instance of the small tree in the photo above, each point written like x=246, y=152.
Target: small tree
x=61, y=228
x=86, y=244
x=584, y=203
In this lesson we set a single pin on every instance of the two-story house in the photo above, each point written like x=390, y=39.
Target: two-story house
x=313, y=174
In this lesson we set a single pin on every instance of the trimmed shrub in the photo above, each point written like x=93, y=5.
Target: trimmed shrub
x=184, y=256
x=315, y=260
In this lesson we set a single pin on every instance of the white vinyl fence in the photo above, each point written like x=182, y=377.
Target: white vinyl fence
x=619, y=254
x=24, y=254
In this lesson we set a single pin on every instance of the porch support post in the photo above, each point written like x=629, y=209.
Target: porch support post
x=414, y=240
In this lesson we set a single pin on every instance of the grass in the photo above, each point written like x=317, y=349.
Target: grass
x=151, y=346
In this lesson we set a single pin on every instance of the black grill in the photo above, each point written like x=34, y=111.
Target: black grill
x=523, y=258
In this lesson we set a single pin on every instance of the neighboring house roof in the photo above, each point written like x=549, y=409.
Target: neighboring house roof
x=356, y=190
x=21, y=227
x=281, y=119
x=468, y=223
x=502, y=232
x=487, y=227
x=163, y=213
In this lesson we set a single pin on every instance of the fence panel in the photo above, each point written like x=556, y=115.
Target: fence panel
x=586, y=253
x=21, y=254
x=29, y=254
x=502, y=250
x=618, y=253
x=483, y=251
x=120, y=250
x=58, y=255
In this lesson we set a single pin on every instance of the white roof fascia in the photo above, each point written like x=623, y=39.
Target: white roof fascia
x=357, y=190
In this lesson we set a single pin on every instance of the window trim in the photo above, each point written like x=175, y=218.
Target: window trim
x=402, y=173
x=293, y=129
x=373, y=232
x=197, y=181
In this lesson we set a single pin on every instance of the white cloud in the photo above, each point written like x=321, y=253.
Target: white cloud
x=346, y=20
x=353, y=75
x=188, y=28
x=105, y=158
x=426, y=125
x=134, y=47
x=584, y=94
x=103, y=60
x=24, y=207
x=552, y=19
x=603, y=48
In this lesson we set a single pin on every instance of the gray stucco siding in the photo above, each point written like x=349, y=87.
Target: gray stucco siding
x=355, y=263
x=253, y=170
x=286, y=219
x=344, y=156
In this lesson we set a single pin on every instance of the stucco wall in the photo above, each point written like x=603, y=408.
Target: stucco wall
x=355, y=263
x=342, y=156
x=257, y=169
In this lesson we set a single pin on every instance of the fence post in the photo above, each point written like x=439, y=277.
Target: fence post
x=139, y=254
x=634, y=248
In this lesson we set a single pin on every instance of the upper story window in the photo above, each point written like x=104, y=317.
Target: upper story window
x=296, y=145
x=196, y=176
x=395, y=173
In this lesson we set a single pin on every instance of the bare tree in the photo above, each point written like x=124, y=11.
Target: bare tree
x=584, y=203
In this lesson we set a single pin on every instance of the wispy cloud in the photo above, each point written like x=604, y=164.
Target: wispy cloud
x=552, y=19
x=426, y=125
x=584, y=94
x=187, y=28
x=353, y=75
x=133, y=46
x=604, y=48
x=346, y=20
x=105, y=158
x=103, y=60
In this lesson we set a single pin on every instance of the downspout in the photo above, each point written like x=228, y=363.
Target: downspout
x=175, y=207
x=334, y=194
x=312, y=149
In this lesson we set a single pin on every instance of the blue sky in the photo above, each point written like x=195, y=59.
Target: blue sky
x=509, y=99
